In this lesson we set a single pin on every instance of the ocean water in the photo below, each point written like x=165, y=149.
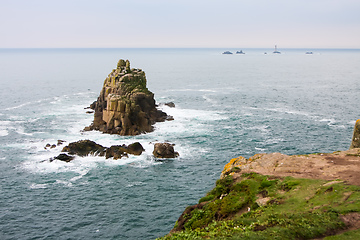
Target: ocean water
x=226, y=106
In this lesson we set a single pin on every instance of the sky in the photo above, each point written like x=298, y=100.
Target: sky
x=179, y=24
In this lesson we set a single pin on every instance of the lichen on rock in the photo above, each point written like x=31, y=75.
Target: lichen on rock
x=125, y=105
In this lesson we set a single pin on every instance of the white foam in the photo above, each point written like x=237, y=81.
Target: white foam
x=284, y=110
x=3, y=132
x=21, y=130
x=262, y=128
x=38, y=186
x=192, y=90
x=207, y=90
x=274, y=140
x=72, y=118
x=16, y=107
x=208, y=99
x=260, y=149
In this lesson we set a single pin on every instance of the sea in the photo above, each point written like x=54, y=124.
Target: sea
x=225, y=106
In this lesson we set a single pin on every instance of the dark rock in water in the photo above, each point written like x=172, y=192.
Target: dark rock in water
x=170, y=104
x=59, y=142
x=92, y=106
x=116, y=152
x=89, y=112
x=170, y=118
x=84, y=148
x=53, y=146
x=355, y=143
x=47, y=145
x=164, y=150
x=119, y=151
x=125, y=105
x=63, y=157
x=135, y=148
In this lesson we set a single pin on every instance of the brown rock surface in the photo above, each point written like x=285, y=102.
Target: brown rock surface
x=164, y=150
x=344, y=165
x=355, y=143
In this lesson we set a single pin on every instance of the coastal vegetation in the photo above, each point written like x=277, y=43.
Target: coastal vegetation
x=255, y=206
x=276, y=196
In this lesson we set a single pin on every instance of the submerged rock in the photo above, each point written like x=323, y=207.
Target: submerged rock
x=164, y=150
x=170, y=104
x=125, y=105
x=63, y=157
x=355, y=143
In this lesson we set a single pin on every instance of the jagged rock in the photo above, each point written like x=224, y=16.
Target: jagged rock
x=164, y=150
x=116, y=152
x=84, y=148
x=170, y=104
x=63, y=157
x=125, y=105
x=169, y=118
x=93, y=105
x=135, y=148
x=60, y=142
x=355, y=143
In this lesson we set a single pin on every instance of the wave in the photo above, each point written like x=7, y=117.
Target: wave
x=38, y=186
x=284, y=110
x=52, y=100
x=3, y=132
x=192, y=90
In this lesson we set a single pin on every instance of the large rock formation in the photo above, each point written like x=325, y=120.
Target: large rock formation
x=355, y=143
x=289, y=197
x=85, y=148
x=125, y=105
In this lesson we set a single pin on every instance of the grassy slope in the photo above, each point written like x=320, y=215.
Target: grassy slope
x=263, y=207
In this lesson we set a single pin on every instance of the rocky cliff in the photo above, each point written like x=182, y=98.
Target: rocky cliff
x=125, y=105
x=276, y=196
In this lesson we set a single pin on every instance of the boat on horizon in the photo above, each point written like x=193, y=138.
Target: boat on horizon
x=240, y=52
x=227, y=52
x=276, y=51
x=309, y=53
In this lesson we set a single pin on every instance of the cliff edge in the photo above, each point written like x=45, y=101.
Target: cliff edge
x=125, y=105
x=276, y=196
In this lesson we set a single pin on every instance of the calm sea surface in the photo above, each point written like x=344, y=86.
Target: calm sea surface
x=226, y=106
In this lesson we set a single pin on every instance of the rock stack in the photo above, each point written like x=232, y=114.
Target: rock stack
x=355, y=143
x=125, y=105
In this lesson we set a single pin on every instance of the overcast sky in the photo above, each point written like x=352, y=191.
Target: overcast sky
x=185, y=23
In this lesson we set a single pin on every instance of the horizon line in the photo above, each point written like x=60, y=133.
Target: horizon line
x=342, y=48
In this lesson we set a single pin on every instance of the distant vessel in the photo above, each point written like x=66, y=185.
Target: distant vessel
x=227, y=52
x=309, y=53
x=276, y=51
x=240, y=52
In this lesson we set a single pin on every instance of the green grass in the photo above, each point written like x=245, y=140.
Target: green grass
x=296, y=209
x=351, y=235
